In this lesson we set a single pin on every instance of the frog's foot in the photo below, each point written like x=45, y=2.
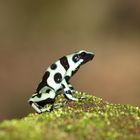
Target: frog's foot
x=82, y=98
x=58, y=105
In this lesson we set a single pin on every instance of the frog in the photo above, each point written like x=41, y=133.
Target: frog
x=57, y=78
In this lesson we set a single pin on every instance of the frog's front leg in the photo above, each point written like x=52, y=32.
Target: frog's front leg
x=68, y=91
x=67, y=78
x=71, y=88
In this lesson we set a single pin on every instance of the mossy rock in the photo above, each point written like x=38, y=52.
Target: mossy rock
x=90, y=119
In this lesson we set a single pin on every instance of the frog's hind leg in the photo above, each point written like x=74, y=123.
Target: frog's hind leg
x=38, y=101
x=40, y=109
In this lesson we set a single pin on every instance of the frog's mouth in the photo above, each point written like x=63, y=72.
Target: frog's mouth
x=88, y=57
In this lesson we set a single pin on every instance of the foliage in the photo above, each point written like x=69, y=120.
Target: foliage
x=90, y=119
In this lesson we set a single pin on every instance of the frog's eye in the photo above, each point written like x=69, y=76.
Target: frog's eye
x=76, y=58
x=83, y=54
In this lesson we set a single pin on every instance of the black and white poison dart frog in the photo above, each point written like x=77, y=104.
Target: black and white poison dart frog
x=57, y=78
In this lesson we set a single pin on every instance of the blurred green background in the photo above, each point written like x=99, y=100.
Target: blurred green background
x=33, y=34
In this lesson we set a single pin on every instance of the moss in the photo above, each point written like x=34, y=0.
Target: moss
x=92, y=118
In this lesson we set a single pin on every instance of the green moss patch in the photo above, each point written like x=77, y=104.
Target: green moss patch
x=90, y=119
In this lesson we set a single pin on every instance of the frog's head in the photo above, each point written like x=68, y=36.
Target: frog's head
x=79, y=58
x=86, y=56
